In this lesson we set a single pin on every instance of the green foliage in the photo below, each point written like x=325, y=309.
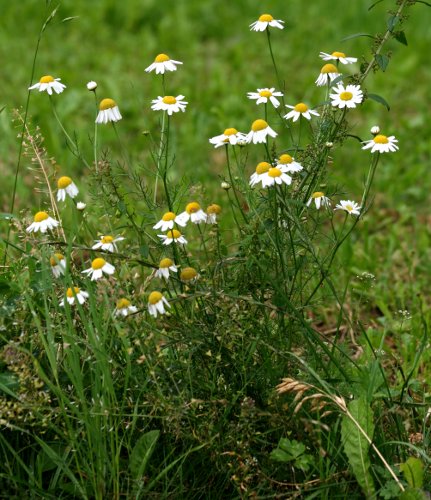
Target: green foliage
x=141, y=453
x=292, y=451
x=413, y=471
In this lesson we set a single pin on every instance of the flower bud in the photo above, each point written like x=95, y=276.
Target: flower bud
x=375, y=130
x=92, y=86
x=225, y=185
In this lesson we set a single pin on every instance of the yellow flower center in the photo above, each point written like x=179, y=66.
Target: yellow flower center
x=169, y=99
x=165, y=263
x=72, y=292
x=259, y=125
x=381, y=139
x=192, y=207
x=346, y=96
x=123, y=303
x=40, y=216
x=55, y=259
x=154, y=297
x=262, y=167
x=168, y=216
x=174, y=234
x=274, y=172
x=317, y=194
x=107, y=104
x=301, y=107
x=98, y=263
x=338, y=54
x=214, y=209
x=266, y=18
x=285, y=159
x=329, y=68
x=106, y=239
x=265, y=93
x=188, y=273
x=63, y=182
x=46, y=79
x=230, y=131
x=161, y=58
x=349, y=208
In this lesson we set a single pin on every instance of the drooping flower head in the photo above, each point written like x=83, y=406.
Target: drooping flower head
x=48, y=84
x=288, y=164
x=66, y=187
x=99, y=267
x=194, y=213
x=58, y=264
x=124, y=308
x=42, y=222
x=298, y=110
x=229, y=136
x=338, y=56
x=320, y=200
x=73, y=294
x=259, y=132
x=107, y=243
x=172, y=236
x=262, y=96
x=346, y=97
x=108, y=111
x=382, y=144
x=156, y=304
x=163, y=63
x=169, y=103
x=166, y=265
x=264, y=21
x=212, y=212
x=261, y=169
x=328, y=73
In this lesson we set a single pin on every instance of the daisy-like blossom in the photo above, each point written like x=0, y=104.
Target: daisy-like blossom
x=48, y=83
x=229, y=136
x=168, y=220
x=298, y=110
x=66, y=187
x=169, y=103
x=163, y=63
x=338, y=56
x=107, y=243
x=166, y=265
x=320, y=200
x=189, y=275
x=261, y=169
x=351, y=207
x=275, y=176
x=172, y=236
x=212, y=212
x=74, y=293
x=328, y=73
x=58, y=264
x=124, y=308
x=259, y=132
x=262, y=96
x=42, y=222
x=156, y=304
x=264, y=21
x=382, y=144
x=288, y=164
x=108, y=111
x=194, y=213
x=98, y=267
x=346, y=97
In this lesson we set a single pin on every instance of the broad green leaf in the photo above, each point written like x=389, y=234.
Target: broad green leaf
x=280, y=456
x=413, y=494
x=380, y=100
x=413, y=471
x=400, y=36
x=142, y=452
x=382, y=61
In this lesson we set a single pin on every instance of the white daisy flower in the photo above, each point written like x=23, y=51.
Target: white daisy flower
x=261, y=169
x=124, y=308
x=169, y=103
x=229, y=136
x=48, y=83
x=264, y=21
x=172, y=236
x=92, y=86
x=98, y=267
x=382, y=144
x=320, y=200
x=163, y=63
x=265, y=95
x=74, y=293
x=66, y=186
x=212, y=212
x=58, y=264
x=346, y=97
x=42, y=222
x=168, y=220
x=156, y=304
x=288, y=164
x=298, y=110
x=194, y=213
x=259, y=132
x=275, y=176
x=338, y=56
x=166, y=265
x=328, y=73
x=189, y=275
x=108, y=111
x=351, y=207
x=107, y=243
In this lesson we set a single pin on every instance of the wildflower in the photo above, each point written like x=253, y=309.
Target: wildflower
x=107, y=243
x=163, y=63
x=265, y=95
x=168, y=220
x=229, y=136
x=351, y=207
x=124, y=308
x=156, y=304
x=261, y=169
x=338, y=56
x=259, y=131
x=328, y=73
x=212, y=212
x=92, y=86
x=66, y=186
x=346, y=97
x=375, y=130
x=58, y=264
x=189, y=275
x=172, y=236
x=74, y=293
x=42, y=222
x=108, y=111
x=329, y=144
x=169, y=103
x=49, y=84
x=320, y=200
x=288, y=164
x=166, y=265
x=225, y=186
x=298, y=110
x=264, y=21
x=81, y=205
x=98, y=267
x=275, y=176
x=194, y=213
x=382, y=144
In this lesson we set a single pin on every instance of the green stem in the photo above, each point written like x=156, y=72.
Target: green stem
x=159, y=156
